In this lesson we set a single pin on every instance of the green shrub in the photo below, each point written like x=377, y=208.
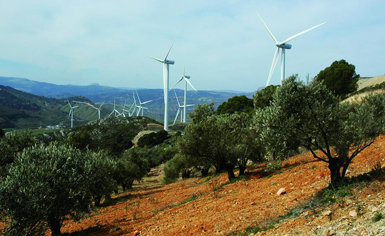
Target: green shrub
x=153, y=139
x=378, y=216
x=44, y=186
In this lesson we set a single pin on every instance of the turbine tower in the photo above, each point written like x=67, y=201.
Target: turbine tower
x=140, y=106
x=182, y=117
x=71, y=113
x=166, y=64
x=186, y=79
x=282, y=46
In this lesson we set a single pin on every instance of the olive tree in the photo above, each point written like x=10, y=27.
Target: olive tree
x=45, y=185
x=224, y=141
x=313, y=117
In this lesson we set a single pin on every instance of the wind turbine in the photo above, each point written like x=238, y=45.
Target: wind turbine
x=166, y=64
x=140, y=106
x=71, y=113
x=96, y=108
x=115, y=112
x=182, y=117
x=282, y=46
x=186, y=79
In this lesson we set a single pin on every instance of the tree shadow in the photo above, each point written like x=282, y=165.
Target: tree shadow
x=100, y=230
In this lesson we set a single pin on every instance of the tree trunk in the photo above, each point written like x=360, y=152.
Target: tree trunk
x=204, y=172
x=97, y=200
x=242, y=169
x=230, y=172
x=55, y=225
x=335, y=173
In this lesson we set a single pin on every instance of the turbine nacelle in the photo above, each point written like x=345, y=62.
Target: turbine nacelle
x=169, y=62
x=284, y=45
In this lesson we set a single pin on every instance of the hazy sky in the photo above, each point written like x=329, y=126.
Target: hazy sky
x=222, y=43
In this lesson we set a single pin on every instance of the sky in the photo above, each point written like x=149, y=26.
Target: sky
x=221, y=44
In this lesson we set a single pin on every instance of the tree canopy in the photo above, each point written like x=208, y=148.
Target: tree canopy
x=340, y=77
x=236, y=104
x=263, y=97
x=313, y=117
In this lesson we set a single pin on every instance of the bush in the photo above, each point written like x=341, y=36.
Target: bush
x=153, y=139
x=174, y=167
x=45, y=185
x=236, y=104
x=133, y=165
x=10, y=146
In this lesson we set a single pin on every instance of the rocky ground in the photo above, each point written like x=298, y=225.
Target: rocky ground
x=249, y=206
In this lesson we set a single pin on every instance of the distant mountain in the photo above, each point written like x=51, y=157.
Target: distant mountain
x=23, y=110
x=103, y=94
x=54, y=90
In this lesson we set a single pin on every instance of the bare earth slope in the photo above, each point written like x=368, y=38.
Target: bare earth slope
x=209, y=206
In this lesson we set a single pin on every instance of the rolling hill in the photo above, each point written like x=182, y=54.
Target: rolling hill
x=107, y=95
x=23, y=110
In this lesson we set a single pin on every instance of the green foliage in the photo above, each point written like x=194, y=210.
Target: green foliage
x=273, y=166
x=378, y=216
x=113, y=135
x=173, y=167
x=100, y=170
x=201, y=112
x=313, y=117
x=224, y=141
x=2, y=133
x=10, y=146
x=264, y=97
x=45, y=185
x=153, y=139
x=236, y=104
x=133, y=165
x=340, y=77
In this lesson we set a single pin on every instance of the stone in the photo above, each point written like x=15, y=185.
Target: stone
x=327, y=213
x=352, y=213
x=281, y=191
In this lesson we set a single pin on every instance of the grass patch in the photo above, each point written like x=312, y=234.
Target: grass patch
x=378, y=216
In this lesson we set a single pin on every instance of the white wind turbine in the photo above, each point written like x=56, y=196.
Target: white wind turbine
x=140, y=106
x=182, y=116
x=115, y=112
x=71, y=113
x=186, y=79
x=96, y=108
x=166, y=64
x=282, y=46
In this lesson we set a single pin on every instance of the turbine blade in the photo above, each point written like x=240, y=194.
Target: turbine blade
x=273, y=64
x=268, y=30
x=176, y=117
x=177, y=99
x=157, y=59
x=168, y=52
x=101, y=105
x=146, y=102
x=296, y=35
x=177, y=82
x=189, y=105
x=138, y=96
x=188, y=81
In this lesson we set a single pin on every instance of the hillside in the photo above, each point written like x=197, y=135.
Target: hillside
x=208, y=206
x=23, y=110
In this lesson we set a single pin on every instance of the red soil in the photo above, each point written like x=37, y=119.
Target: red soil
x=159, y=210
